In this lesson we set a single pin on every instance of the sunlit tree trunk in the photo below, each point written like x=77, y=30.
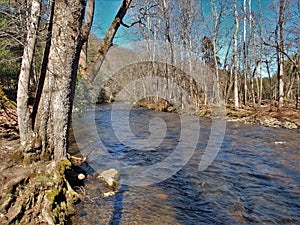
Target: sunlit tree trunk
x=94, y=66
x=236, y=93
x=217, y=19
x=23, y=94
x=245, y=54
x=281, y=55
x=54, y=114
x=252, y=53
x=260, y=54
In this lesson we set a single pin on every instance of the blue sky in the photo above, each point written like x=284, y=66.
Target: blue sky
x=105, y=11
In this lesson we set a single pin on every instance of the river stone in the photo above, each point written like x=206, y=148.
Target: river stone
x=110, y=177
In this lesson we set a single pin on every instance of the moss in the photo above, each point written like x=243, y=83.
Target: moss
x=51, y=195
x=17, y=156
x=5, y=100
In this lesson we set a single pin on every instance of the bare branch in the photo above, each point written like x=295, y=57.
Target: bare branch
x=89, y=20
x=283, y=52
x=131, y=24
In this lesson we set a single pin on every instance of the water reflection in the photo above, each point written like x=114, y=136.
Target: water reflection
x=253, y=180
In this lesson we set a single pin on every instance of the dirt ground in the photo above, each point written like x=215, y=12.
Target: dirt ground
x=9, y=136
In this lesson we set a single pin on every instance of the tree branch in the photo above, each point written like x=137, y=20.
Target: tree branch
x=131, y=24
x=280, y=50
x=94, y=67
x=89, y=20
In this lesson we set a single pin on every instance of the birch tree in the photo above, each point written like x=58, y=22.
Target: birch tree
x=281, y=55
x=245, y=53
x=24, y=77
x=235, y=53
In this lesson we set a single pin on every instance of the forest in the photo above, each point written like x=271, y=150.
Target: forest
x=50, y=58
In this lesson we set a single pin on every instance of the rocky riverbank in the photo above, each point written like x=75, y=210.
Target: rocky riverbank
x=267, y=115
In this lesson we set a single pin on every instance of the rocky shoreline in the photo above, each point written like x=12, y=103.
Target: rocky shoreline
x=267, y=115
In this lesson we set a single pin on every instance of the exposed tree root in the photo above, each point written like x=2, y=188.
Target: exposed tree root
x=36, y=194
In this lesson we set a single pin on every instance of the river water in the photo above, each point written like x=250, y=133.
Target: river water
x=254, y=179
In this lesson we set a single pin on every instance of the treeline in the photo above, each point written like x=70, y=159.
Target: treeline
x=253, y=50
x=251, y=45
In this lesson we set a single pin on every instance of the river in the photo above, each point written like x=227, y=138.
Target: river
x=254, y=178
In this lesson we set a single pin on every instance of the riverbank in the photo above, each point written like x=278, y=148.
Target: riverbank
x=36, y=193
x=267, y=115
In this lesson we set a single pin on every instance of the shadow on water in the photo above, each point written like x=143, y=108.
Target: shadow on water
x=116, y=218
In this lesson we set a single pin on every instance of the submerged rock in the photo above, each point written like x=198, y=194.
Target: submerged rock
x=110, y=178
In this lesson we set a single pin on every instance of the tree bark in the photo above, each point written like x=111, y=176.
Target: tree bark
x=54, y=113
x=260, y=55
x=281, y=56
x=245, y=55
x=236, y=92
x=24, y=77
x=252, y=53
x=94, y=66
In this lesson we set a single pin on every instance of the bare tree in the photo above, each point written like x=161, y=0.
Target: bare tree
x=281, y=55
x=24, y=77
x=96, y=63
x=245, y=54
x=236, y=94
x=260, y=54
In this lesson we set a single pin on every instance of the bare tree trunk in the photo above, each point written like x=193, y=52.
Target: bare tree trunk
x=245, y=55
x=24, y=77
x=165, y=10
x=230, y=84
x=252, y=49
x=98, y=60
x=54, y=113
x=260, y=55
x=236, y=93
x=281, y=56
x=217, y=20
x=51, y=117
x=297, y=88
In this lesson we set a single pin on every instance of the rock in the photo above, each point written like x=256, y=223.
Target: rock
x=289, y=125
x=279, y=142
x=110, y=177
x=108, y=194
x=81, y=176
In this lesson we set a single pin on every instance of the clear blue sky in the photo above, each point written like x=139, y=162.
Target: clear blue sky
x=105, y=11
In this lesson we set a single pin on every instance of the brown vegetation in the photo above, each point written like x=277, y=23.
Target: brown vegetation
x=30, y=194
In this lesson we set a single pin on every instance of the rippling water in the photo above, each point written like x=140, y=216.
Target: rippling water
x=255, y=178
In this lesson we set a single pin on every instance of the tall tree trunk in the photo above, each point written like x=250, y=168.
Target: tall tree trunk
x=98, y=60
x=24, y=77
x=298, y=88
x=54, y=113
x=252, y=49
x=281, y=56
x=245, y=55
x=217, y=20
x=260, y=55
x=236, y=92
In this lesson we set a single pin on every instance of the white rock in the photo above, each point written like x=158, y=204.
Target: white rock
x=81, y=176
x=108, y=194
x=110, y=177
